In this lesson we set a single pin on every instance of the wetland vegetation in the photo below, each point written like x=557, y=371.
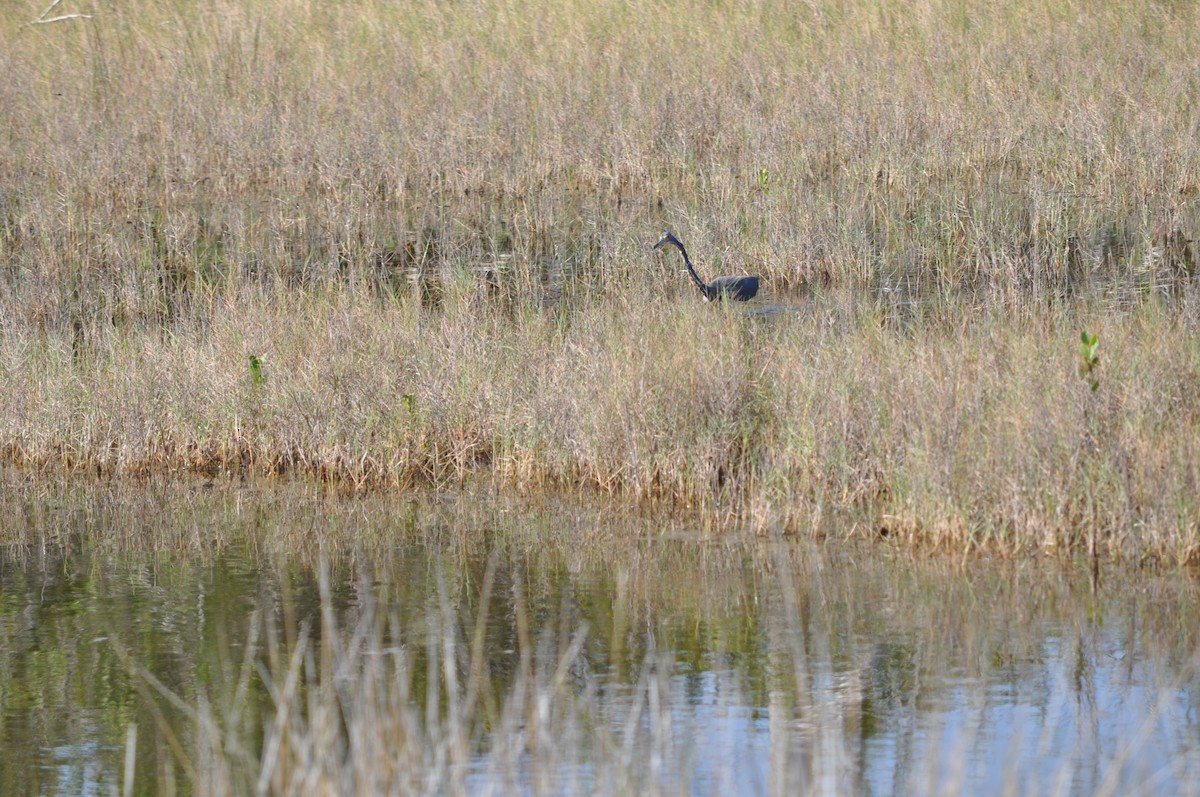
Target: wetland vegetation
x=173, y=639
x=353, y=438
x=400, y=245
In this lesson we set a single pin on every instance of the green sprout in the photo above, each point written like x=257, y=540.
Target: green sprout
x=1089, y=359
x=764, y=179
x=257, y=377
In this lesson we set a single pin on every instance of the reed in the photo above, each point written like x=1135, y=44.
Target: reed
x=404, y=245
x=268, y=638
x=367, y=700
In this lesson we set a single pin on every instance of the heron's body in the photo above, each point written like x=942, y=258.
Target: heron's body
x=738, y=289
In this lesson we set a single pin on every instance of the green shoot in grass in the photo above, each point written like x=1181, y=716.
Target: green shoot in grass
x=257, y=378
x=1089, y=359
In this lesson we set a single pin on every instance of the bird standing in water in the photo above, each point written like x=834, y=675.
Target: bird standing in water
x=738, y=289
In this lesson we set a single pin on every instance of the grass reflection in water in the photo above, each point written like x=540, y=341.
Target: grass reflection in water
x=287, y=641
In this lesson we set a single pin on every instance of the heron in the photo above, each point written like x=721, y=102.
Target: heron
x=736, y=288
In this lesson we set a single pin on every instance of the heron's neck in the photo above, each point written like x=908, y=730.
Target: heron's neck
x=687, y=261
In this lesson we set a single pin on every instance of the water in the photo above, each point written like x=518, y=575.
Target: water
x=606, y=654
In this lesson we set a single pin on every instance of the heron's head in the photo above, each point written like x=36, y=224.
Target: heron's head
x=664, y=239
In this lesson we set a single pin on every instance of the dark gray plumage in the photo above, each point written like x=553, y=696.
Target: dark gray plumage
x=736, y=288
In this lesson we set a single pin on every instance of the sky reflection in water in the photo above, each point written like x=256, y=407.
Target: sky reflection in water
x=726, y=665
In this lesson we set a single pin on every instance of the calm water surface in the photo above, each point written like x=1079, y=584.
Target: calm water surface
x=704, y=663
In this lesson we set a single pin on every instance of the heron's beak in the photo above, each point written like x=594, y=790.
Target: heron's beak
x=660, y=243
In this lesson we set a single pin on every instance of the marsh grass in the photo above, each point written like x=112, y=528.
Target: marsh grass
x=973, y=432
x=269, y=638
x=429, y=225
x=371, y=708
x=365, y=699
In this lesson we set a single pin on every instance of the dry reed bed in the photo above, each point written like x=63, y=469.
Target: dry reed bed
x=956, y=430
x=183, y=187
x=158, y=151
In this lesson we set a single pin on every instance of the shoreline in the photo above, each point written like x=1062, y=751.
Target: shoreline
x=948, y=433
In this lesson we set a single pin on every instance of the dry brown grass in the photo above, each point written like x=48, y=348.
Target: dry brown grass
x=282, y=641
x=432, y=222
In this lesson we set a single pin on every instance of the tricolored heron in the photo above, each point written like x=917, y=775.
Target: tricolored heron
x=736, y=288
